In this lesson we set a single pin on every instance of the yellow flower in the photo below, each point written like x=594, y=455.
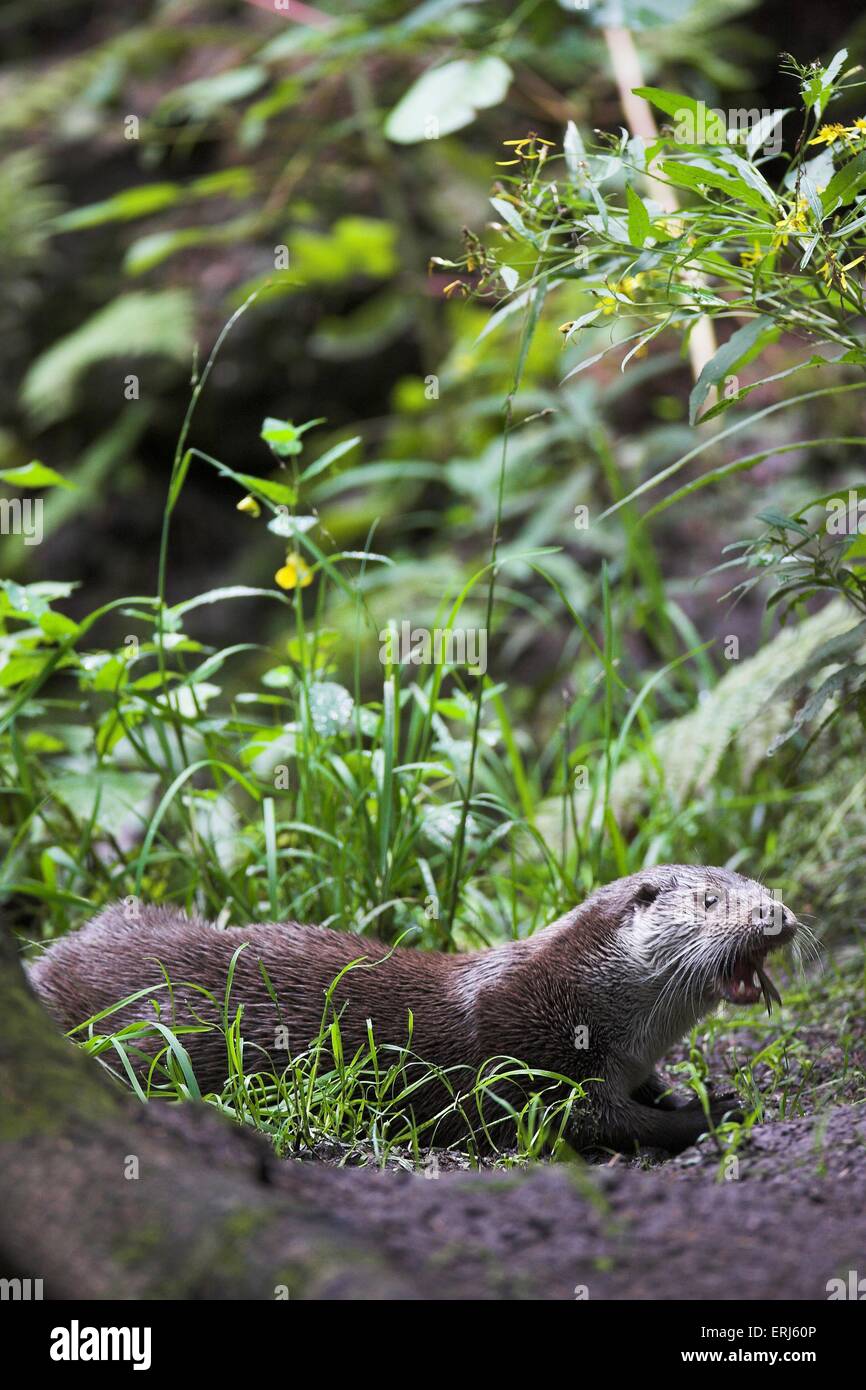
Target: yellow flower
x=831, y=269
x=829, y=134
x=249, y=505
x=795, y=220
x=859, y=126
x=672, y=225
x=295, y=573
x=623, y=290
x=750, y=258
x=528, y=140
x=843, y=270
x=630, y=284
x=525, y=149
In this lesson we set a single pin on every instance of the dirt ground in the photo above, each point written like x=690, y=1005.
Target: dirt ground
x=790, y=1217
x=777, y=1220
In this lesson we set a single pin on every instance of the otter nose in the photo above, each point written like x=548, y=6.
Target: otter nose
x=775, y=919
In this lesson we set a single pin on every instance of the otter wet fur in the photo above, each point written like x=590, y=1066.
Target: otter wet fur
x=598, y=996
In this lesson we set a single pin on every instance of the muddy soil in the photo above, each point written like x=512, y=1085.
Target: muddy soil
x=777, y=1218
x=788, y=1217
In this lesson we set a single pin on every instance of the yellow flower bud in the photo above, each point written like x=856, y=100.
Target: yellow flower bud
x=295, y=573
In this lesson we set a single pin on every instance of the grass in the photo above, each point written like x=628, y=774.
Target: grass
x=352, y=1108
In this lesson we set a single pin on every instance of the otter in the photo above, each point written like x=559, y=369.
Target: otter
x=597, y=997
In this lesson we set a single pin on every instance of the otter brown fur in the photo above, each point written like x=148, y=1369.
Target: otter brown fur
x=602, y=993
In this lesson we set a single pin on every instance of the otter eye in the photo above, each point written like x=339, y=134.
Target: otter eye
x=710, y=900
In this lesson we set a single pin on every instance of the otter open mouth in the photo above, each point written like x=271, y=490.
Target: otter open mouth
x=746, y=981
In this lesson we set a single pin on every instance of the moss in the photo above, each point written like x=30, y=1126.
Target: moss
x=44, y=1079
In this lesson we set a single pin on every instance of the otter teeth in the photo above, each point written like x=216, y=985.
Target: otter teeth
x=745, y=982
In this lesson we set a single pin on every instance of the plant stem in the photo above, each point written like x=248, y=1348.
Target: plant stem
x=627, y=72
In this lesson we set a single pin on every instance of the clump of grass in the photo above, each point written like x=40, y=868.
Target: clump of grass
x=359, y=1105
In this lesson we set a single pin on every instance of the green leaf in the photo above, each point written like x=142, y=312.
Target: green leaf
x=218, y=595
x=845, y=183
x=123, y=207
x=57, y=626
x=749, y=175
x=362, y=333
x=815, y=360
x=288, y=527
x=763, y=129
x=114, y=798
x=508, y=212
x=856, y=550
x=353, y=246
x=447, y=98
x=149, y=251
x=284, y=437
x=131, y=326
x=838, y=648
x=32, y=600
x=672, y=103
x=739, y=348
x=634, y=14
x=331, y=708
x=638, y=218
x=837, y=683
x=782, y=522
x=701, y=174
x=19, y=669
x=283, y=494
x=33, y=475
x=207, y=95
x=329, y=457
x=819, y=88
x=575, y=152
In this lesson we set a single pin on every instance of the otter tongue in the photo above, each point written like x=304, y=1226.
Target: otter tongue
x=768, y=989
x=739, y=986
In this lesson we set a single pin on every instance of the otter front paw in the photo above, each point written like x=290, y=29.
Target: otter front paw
x=721, y=1108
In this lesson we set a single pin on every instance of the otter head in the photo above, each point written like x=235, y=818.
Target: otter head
x=698, y=935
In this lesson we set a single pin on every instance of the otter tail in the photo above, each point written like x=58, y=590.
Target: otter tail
x=77, y=975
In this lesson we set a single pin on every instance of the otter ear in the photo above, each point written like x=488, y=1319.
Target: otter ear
x=646, y=894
